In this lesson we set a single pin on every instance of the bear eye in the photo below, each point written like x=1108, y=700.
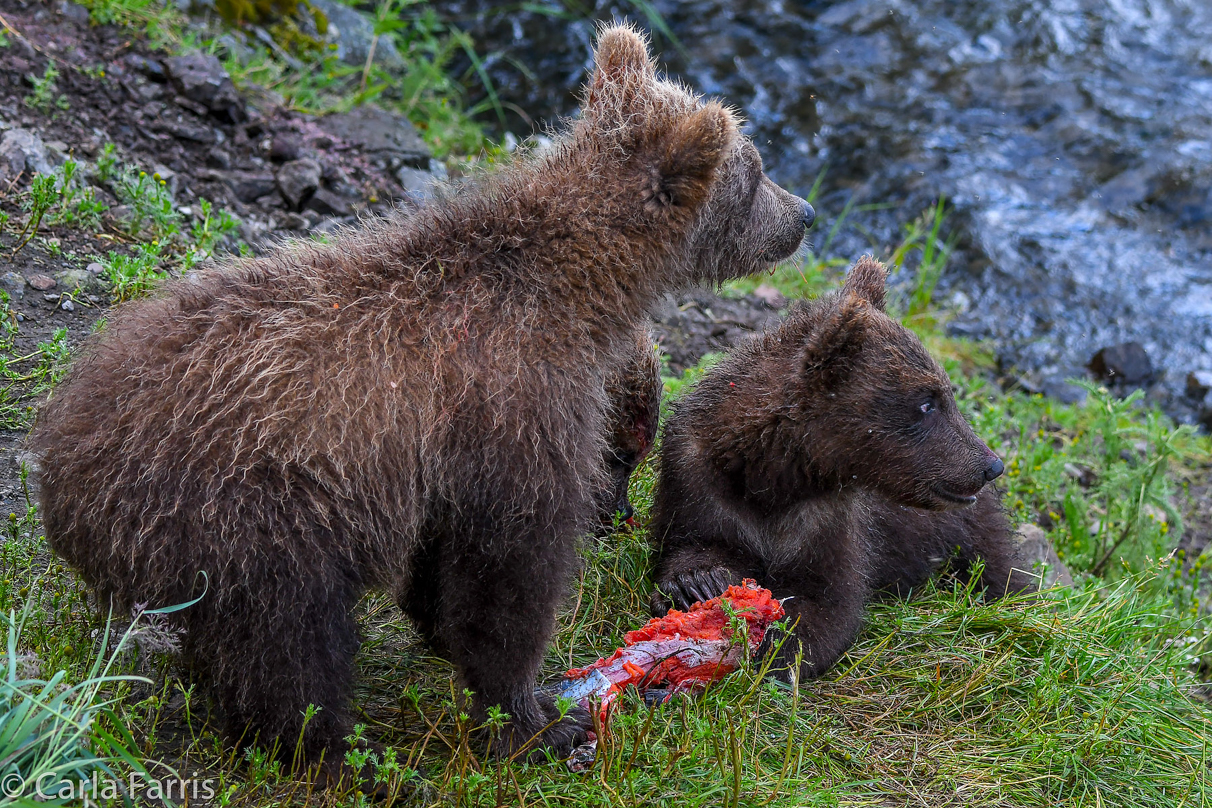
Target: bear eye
x=927, y=406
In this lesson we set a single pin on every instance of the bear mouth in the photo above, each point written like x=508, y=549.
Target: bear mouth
x=951, y=496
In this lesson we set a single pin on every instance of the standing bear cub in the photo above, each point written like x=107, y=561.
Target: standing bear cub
x=827, y=460
x=419, y=407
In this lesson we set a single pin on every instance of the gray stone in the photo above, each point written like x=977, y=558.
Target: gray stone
x=95, y=268
x=419, y=184
x=218, y=158
x=13, y=283
x=200, y=77
x=327, y=203
x=67, y=304
x=249, y=186
x=149, y=68
x=298, y=180
x=73, y=11
x=1039, y=553
x=284, y=147
x=22, y=150
x=353, y=32
x=77, y=279
x=376, y=130
x=57, y=152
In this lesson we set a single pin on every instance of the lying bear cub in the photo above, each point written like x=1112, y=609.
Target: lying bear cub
x=827, y=460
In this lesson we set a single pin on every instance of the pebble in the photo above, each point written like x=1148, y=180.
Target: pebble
x=42, y=282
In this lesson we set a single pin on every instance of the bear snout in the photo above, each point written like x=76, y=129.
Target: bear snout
x=808, y=213
x=994, y=469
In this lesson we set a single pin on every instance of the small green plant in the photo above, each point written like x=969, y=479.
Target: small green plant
x=43, y=194
x=77, y=204
x=45, y=89
x=210, y=228
x=134, y=275
x=107, y=163
x=150, y=203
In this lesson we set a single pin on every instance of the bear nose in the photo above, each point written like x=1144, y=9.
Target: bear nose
x=994, y=470
x=808, y=213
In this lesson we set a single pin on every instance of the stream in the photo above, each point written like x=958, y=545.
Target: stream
x=1073, y=140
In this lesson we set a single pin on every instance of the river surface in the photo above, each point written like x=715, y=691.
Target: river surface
x=1073, y=138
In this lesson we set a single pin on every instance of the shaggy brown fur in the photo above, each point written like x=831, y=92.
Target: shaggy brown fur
x=419, y=407
x=634, y=391
x=826, y=460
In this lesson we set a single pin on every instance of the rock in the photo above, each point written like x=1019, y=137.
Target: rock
x=67, y=305
x=42, y=282
x=95, y=268
x=376, y=130
x=248, y=186
x=218, y=158
x=184, y=130
x=13, y=283
x=77, y=279
x=22, y=150
x=1125, y=364
x=298, y=180
x=73, y=11
x=1037, y=551
x=57, y=152
x=417, y=183
x=289, y=221
x=353, y=32
x=327, y=203
x=285, y=147
x=149, y=68
x=200, y=77
x=1199, y=382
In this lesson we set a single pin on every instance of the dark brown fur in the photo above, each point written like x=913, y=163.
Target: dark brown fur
x=418, y=407
x=634, y=390
x=827, y=460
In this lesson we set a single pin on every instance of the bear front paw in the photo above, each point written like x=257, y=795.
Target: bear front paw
x=685, y=589
x=530, y=741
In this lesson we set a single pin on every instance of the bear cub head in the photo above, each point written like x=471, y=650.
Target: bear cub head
x=882, y=410
x=689, y=158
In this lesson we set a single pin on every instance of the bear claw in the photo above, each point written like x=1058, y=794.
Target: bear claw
x=685, y=589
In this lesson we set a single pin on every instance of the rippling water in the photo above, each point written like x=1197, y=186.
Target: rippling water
x=1073, y=137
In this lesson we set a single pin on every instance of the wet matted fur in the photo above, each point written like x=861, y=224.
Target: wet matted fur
x=418, y=406
x=826, y=459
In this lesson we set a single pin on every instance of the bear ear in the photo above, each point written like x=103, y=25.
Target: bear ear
x=687, y=157
x=867, y=280
x=830, y=349
x=623, y=76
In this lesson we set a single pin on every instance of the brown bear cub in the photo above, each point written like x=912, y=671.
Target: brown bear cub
x=827, y=460
x=418, y=407
x=634, y=391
